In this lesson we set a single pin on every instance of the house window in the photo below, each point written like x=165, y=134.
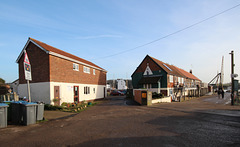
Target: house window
x=86, y=90
x=75, y=67
x=147, y=86
x=86, y=69
x=94, y=72
x=170, y=78
x=93, y=90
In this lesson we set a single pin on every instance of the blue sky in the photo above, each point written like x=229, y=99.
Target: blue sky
x=98, y=28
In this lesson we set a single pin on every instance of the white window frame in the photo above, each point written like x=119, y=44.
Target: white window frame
x=170, y=78
x=94, y=72
x=86, y=90
x=86, y=69
x=75, y=67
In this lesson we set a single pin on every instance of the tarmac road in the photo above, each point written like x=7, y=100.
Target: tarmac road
x=197, y=122
x=218, y=99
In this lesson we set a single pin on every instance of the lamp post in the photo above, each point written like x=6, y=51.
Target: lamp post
x=232, y=66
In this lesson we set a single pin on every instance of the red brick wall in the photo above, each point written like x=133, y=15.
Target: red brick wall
x=61, y=70
x=39, y=65
x=153, y=66
x=138, y=96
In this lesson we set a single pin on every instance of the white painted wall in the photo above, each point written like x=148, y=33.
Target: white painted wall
x=66, y=91
x=44, y=92
x=162, y=100
x=121, y=84
x=39, y=91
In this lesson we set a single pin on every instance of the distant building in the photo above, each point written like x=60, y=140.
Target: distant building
x=14, y=86
x=160, y=77
x=58, y=76
x=119, y=84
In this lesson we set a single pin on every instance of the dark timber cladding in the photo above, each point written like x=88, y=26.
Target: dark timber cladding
x=161, y=77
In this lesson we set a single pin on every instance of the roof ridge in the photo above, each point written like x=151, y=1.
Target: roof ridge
x=45, y=43
x=176, y=69
x=64, y=53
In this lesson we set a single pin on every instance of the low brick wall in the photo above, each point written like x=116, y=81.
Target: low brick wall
x=138, y=96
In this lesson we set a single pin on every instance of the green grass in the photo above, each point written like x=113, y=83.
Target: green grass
x=40, y=121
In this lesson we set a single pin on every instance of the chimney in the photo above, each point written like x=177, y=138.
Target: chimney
x=190, y=71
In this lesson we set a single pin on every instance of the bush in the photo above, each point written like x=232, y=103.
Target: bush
x=51, y=107
x=70, y=107
x=156, y=95
x=161, y=95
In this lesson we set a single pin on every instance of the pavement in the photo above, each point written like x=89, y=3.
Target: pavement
x=116, y=122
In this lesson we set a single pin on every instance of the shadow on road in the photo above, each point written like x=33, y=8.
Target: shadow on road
x=195, y=129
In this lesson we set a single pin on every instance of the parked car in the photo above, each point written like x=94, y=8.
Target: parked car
x=124, y=92
x=116, y=93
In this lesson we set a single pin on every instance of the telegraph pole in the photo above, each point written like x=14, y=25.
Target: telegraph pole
x=232, y=76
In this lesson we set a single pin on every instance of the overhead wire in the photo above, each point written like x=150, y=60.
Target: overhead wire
x=171, y=34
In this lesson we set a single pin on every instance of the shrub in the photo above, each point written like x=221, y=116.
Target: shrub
x=161, y=95
x=70, y=107
x=51, y=107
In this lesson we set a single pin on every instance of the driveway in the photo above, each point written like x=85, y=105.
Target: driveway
x=114, y=123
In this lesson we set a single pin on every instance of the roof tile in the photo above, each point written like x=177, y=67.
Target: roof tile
x=58, y=51
x=171, y=69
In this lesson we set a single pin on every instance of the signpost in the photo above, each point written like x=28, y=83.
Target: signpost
x=27, y=70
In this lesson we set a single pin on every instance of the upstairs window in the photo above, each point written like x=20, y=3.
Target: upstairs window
x=75, y=67
x=94, y=72
x=86, y=69
x=170, y=78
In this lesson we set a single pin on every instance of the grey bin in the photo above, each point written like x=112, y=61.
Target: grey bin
x=40, y=111
x=3, y=115
x=29, y=113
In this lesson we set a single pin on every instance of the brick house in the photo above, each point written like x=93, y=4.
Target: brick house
x=58, y=76
x=160, y=77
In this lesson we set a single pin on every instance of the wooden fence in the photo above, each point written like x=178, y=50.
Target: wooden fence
x=9, y=97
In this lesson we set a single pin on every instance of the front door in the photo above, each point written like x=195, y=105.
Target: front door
x=76, y=94
x=104, y=92
x=56, y=95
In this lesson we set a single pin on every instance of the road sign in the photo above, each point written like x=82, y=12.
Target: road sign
x=27, y=67
x=26, y=59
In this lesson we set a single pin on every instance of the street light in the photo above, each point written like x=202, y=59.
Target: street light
x=232, y=76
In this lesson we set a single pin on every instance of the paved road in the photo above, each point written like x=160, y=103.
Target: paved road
x=197, y=122
x=218, y=99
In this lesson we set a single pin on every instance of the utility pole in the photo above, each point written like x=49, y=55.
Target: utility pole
x=222, y=73
x=232, y=65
